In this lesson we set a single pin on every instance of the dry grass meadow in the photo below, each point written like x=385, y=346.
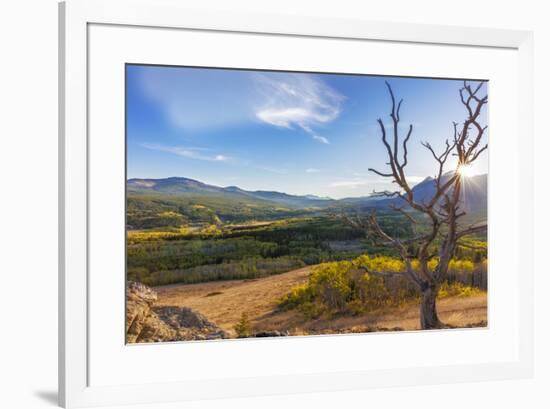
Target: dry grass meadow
x=224, y=302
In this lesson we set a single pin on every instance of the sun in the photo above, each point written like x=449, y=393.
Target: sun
x=465, y=170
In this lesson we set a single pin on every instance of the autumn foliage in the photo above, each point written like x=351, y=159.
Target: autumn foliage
x=353, y=287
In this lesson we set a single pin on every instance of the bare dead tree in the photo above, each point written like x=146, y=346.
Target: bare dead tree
x=442, y=211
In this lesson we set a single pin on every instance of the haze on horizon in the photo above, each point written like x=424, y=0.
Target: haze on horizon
x=297, y=133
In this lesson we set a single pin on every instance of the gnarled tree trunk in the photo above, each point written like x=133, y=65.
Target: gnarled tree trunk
x=428, y=309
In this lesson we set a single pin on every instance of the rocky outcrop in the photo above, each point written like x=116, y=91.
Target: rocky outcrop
x=142, y=324
x=266, y=334
x=147, y=323
x=189, y=324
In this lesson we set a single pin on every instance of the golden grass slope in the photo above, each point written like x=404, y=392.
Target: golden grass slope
x=224, y=302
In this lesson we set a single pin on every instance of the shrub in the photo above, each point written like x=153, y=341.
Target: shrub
x=356, y=307
x=298, y=295
x=371, y=291
x=457, y=289
x=331, y=283
x=382, y=264
x=313, y=309
x=336, y=287
x=462, y=266
x=243, y=328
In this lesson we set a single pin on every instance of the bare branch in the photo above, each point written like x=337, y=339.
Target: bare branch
x=398, y=246
x=429, y=147
x=386, y=175
x=471, y=230
x=478, y=152
x=405, y=141
x=386, y=194
x=407, y=215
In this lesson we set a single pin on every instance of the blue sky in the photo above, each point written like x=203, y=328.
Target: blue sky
x=298, y=133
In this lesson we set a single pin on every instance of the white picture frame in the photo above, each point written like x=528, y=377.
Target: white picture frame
x=76, y=18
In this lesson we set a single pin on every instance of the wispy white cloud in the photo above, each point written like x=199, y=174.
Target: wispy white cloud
x=284, y=100
x=188, y=152
x=280, y=99
x=312, y=170
x=298, y=100
x=321, y=139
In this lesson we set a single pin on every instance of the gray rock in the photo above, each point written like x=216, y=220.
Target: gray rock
x=265, y=334
x=147, y=323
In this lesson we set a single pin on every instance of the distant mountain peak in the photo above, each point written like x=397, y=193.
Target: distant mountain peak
x=233, y=188
x=315, y=197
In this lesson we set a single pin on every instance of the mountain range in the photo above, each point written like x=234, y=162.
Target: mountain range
x=186, y=186
x=474, y=193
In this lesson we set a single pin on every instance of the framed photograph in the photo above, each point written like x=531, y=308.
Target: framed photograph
x=251, y=212
x=259, y=204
